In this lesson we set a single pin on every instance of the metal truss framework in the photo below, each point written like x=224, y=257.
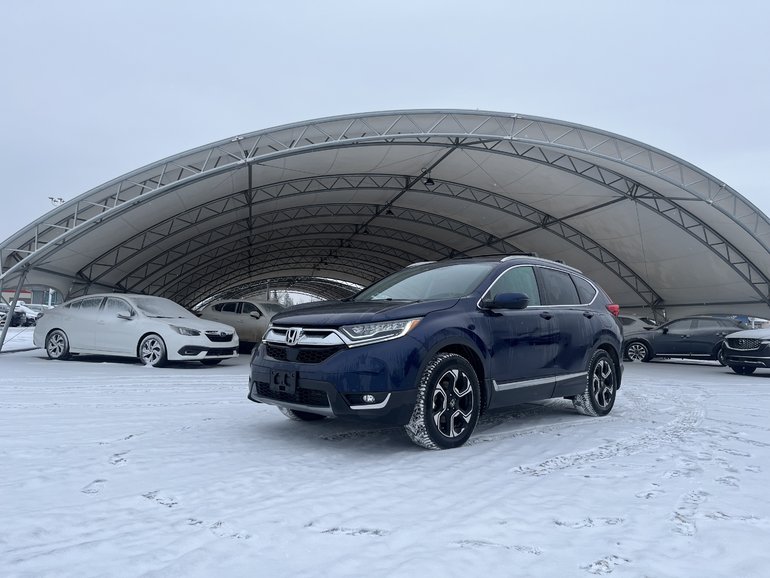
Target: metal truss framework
x=551, y=143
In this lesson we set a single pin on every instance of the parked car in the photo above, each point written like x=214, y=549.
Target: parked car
x=18, y=319
x=153, y=329
x=747, y=350
x=697, y=337
x=30, y=315
x=250, y=318
x=436, y=344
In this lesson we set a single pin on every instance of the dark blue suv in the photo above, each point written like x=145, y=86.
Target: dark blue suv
x=433, y=346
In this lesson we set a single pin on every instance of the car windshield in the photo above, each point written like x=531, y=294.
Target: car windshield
x=427, y=282
x=159, y=307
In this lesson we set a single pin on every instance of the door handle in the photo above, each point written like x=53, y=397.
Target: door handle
x=546, y=315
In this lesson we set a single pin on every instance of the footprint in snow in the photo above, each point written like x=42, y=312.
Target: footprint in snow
x=606, y=565
x=94, y=487
x=118, y=459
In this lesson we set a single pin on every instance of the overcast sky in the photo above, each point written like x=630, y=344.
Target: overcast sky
x=90, y=90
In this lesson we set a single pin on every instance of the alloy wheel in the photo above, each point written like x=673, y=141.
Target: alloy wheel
x=603, y=383
x=452, y=404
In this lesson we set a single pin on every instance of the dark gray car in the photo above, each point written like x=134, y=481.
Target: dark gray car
x=689, y=337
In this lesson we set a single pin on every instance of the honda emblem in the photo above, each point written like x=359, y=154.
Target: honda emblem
x=293, y=335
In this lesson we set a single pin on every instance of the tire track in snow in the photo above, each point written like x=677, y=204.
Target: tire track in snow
x=674, y=431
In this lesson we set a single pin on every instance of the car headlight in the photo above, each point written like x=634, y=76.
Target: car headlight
x=185, y=330
x=382, y=331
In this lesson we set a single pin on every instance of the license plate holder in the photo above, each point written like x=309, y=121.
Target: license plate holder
x=283, y=381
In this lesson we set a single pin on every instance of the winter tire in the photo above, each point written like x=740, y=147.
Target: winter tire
x=57, y=346
x=297, y=415
x=601, y=387
x=720, y=356
x=743, y=369
x=448, y=403
x=637, y=351
x=152, y=351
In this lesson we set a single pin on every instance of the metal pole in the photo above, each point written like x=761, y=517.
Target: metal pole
x=9, y=317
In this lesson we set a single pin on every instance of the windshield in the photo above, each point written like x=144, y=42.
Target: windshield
x=160, y=307
x=427, y=282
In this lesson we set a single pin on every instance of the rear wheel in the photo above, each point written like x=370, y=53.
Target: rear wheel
x=57, y=346
x=152, y=350
x=743, y=369
x=601, y=387
x=297, y=415
x=448, y=404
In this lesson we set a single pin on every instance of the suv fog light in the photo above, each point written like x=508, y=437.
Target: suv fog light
x=368, y=399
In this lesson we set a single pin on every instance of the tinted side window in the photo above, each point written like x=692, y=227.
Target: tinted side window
x=247, y=307
x=559, y=288
x=680, y=325
x=586, y=291
x=516, y=280
x=218, y=307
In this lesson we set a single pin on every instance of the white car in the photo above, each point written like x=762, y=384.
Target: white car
x=153, y=329
x=249, y=317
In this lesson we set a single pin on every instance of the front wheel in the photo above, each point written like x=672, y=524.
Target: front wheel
x=448, y=404
x=57, y=346
x=743, y=369
x=601, y=387
x=152, y=350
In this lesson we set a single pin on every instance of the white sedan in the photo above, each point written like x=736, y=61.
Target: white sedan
x=153, y=329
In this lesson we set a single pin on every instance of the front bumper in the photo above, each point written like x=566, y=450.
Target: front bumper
x=758, y=356
x=746, y=359
x=376, y=382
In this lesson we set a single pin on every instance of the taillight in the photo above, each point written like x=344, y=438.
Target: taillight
x=614, y=309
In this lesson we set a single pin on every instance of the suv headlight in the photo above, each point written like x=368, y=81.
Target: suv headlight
x=382, y=331
x=185, y=331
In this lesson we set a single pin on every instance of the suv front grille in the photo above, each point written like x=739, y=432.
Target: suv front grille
x=301, y=354
x=301, y=395
x=744, y=344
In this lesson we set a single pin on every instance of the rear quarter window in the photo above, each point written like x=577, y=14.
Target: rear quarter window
x=586, y=291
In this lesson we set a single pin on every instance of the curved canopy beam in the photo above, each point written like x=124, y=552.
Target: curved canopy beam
x=518, y=176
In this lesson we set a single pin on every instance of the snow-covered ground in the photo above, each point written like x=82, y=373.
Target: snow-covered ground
x=109, y=468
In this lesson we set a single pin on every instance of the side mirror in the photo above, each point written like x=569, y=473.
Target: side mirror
x=126, y=316
x=508, y=301
x=664, y=330
x=255, y=314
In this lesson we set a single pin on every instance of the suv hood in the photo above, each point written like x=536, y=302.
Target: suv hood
x=338, y=313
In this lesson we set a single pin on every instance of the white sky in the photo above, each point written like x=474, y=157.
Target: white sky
x=91, y=90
